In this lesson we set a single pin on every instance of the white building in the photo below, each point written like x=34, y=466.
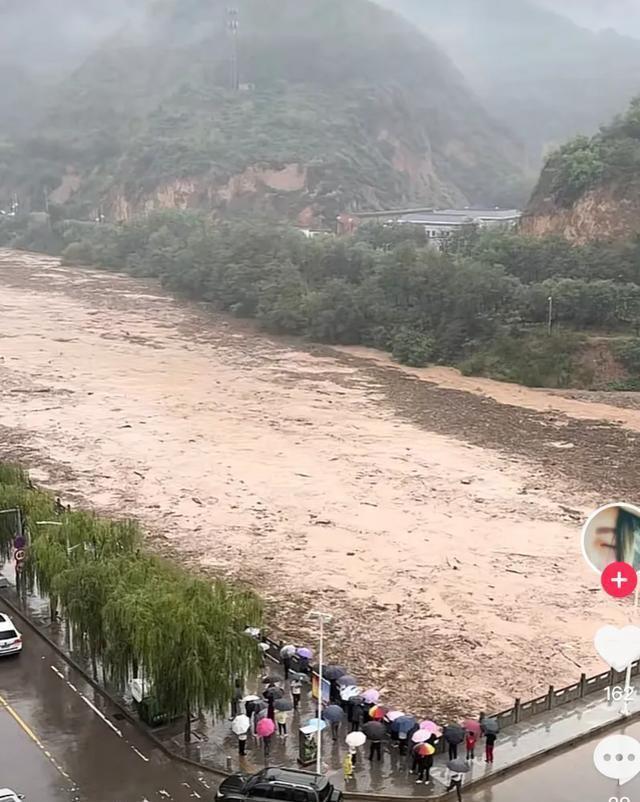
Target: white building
x=440, y=225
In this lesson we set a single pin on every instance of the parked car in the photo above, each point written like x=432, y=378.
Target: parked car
x=7, y=795
x=286, y=785
x=10, y=639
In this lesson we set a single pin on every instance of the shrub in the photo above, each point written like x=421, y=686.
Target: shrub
x=411, y=347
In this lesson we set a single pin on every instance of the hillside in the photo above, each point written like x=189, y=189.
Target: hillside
x=538, y=72
x=342, y=105
x=590, y=188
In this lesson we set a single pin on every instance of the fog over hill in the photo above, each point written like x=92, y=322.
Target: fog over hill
x=534, y=64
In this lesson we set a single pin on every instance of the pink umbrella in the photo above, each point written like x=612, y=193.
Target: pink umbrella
x=420, y=736
x=471, y=725
x=265, y=728
x=393, y=715
x=431, y=727
x=371, y=696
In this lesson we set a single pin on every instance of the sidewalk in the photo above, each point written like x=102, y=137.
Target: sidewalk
x=391, y=777
x=216, y=747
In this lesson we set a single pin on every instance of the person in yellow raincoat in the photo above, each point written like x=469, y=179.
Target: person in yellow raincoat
x=347, y=767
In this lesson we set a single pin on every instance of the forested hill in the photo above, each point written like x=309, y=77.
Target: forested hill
x=341, y=105
x=590, y=188
x=544, y=76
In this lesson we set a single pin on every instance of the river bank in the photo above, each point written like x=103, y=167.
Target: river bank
x=439, y=524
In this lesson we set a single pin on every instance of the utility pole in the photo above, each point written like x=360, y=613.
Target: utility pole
x=322, y=619
x=232, y=27
x=550, y=315
x=45, y=192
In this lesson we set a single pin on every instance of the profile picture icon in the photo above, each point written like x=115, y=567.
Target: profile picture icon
x=612, y=535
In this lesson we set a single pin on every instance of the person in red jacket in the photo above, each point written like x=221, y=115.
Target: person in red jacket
x=470, y=742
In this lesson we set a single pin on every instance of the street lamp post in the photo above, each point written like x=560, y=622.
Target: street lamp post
x=550, y=315
x=322, y=618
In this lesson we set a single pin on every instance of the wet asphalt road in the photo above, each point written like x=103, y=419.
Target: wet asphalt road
x=59, y=741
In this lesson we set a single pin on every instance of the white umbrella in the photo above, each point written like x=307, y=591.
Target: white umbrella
x=355, y=739
x=287, y=651
x=264, y=647
x=348, y=693
x=240, y=725
x=254, y=632
x=251, y=698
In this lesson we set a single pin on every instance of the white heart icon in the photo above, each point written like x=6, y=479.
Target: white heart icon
x=618, y=647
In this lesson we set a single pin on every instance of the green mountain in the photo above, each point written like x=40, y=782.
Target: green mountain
x=540, y=73
x=589, y=189
x=340, y=105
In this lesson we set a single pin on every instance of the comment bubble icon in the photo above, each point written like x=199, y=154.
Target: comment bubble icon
x=618, y=757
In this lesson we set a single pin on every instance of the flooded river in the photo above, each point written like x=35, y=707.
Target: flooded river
x=436, y=517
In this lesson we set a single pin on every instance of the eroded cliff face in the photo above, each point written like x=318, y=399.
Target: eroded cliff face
x=604, y=213
x=253, y=185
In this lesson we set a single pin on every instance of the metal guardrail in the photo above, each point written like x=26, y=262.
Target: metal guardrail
x=523, y=711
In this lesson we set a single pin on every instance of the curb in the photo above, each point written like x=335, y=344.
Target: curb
x=514, y=768
x=106, y=695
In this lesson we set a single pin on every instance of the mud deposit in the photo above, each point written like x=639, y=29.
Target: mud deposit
x=436, y=517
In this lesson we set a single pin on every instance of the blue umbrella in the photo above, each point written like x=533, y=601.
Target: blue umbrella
x=313, y=723
x=333, y=714
x=404, y=724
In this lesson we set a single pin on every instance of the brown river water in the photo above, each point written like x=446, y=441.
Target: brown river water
x=437, y=517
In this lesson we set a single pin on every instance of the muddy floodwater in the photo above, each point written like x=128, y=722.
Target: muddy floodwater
x=436, y=517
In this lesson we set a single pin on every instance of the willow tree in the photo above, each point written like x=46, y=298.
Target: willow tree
x=197, y=647
x=83, y=591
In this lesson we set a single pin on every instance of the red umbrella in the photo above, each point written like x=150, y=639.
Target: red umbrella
x=471, y=725
x=424, y=749
x=377, y=712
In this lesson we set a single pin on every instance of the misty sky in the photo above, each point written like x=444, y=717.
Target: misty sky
x=622, y=15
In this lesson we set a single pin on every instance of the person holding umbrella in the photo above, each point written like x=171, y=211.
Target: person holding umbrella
x=353, y=741
x=424, y=753
x=282, y=707
x=357, y=715
x=470, y=743
x=457, y=768
x=240, y=726
x=453, y=735
x=295, y=686
x=490, y=741
x=375, y=732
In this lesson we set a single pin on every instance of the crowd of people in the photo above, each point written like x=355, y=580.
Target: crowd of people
x=362, y=719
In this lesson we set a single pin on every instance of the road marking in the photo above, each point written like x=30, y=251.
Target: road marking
x=27, y=729
x=204, y=782
x=88, y=702
x=146, y=759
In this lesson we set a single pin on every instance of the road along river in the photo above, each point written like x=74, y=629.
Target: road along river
x=436, y=517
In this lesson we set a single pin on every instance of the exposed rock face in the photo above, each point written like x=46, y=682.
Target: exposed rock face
x=600, y=214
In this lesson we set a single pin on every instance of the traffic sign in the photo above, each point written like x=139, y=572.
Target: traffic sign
x=19, y=555
x=19, y=542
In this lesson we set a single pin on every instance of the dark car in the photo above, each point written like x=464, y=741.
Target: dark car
x=284, y=785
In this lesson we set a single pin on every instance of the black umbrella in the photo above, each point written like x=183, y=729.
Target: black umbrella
x=356, y=700
x=374, y=730
x=490, y=725
x=333, y=714
x=453, y=734
x=283, y=704
x=333, y=672
x=459, y=765
x=270, y=679
x=273, y=693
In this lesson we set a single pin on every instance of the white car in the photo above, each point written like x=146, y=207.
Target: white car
x=7, y=795
x=10, y=643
